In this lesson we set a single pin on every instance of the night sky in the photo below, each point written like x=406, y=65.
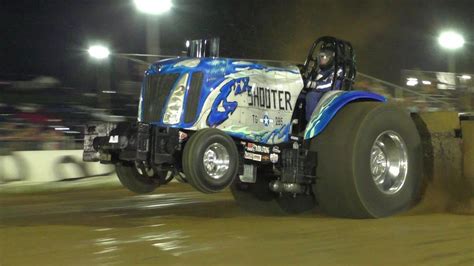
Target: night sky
x=49, y=37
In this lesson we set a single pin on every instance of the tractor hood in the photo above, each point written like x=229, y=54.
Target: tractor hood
x=194, y=93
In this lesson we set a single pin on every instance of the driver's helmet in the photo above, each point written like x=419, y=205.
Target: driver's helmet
x=326, y=55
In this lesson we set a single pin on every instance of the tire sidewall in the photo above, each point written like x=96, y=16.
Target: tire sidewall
x=202, y=180
x=375, y=201
x=129, y=176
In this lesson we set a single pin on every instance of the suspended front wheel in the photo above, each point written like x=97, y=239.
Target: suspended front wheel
x=210, y=160
x=369, y=162
x=139, y=178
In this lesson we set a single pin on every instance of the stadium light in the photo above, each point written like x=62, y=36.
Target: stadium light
x=451, y=40
x=153, y=7
x=98, y=51
x=412, y=82
x=101, y=52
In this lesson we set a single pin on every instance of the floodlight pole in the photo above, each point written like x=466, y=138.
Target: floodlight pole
x=103, y=84
x=152, y=35
x=152, y=10
x=452, y=62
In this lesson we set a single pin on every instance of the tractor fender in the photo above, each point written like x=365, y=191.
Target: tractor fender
x=330, y=104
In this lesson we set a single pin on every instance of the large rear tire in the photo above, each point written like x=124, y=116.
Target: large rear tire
x=369, y=162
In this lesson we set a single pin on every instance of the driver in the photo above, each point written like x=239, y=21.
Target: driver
x=321, y=81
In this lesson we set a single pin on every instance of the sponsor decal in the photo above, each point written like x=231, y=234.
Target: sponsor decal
x=252, y=147
x=296, y=145
x=294, y=138
x=257, y=157
x=248, y=155
x=274, y=158
x=265, y=157
x=114, y=139
x=253, y=156
x=276, y=149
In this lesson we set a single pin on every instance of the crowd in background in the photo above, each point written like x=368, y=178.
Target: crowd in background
x=30, y=127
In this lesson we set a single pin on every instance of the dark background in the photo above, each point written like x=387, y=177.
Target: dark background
x=49, y=37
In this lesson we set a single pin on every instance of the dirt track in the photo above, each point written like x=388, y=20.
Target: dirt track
x=181, y=227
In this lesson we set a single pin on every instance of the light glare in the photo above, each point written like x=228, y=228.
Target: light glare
x=153, y=7
x=98, y=51
x=451, y=40
x=412, y=82
x=466, y=77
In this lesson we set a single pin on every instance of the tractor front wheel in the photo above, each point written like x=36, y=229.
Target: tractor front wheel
x=210, y=160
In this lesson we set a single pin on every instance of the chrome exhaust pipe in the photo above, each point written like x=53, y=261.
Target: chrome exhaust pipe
x=280, y=187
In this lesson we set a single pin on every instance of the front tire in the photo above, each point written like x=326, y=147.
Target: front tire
x=137, y=179
x=369, y=162
x=210, y=160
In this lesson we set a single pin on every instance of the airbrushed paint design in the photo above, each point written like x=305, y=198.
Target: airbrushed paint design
x=227, y=88
x=330, y=105
x=278, y=135
x=221, y=108
x=225, y=99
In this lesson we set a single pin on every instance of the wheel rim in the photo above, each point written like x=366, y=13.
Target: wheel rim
x=144, y=170
x=147, y=171
x=216, y=160
x=389, y=162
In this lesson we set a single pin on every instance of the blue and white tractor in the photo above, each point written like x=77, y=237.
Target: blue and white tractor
x=219, y=123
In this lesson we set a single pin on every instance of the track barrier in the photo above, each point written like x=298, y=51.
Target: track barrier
x=47, y=166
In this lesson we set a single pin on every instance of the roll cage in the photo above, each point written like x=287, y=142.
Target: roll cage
x=344, y=59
